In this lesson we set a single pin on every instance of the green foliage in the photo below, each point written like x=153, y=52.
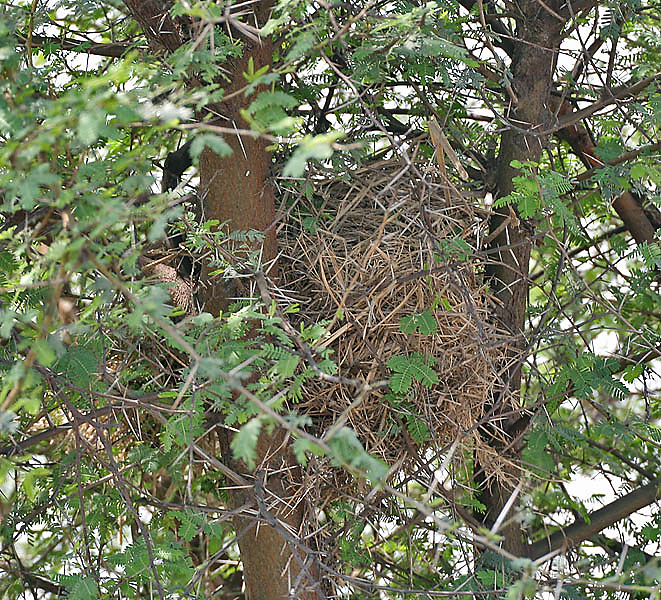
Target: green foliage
x=80, y=364
x=215, y=143
x=415, y=424
x=347, y=451
x=184, y=428
x=651, y=254
x=80, y=588
x=541, y=193
x=526, y=195
x=451, y=249
x=535, y=453
x=244, y=443
x=588, y=373
x=409, y=368
x=319, y=147
x=424, y=323
x=268, y=112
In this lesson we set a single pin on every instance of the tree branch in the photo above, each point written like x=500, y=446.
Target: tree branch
x=591, y=244
x=114, y=50
x=624, y=157
x=612, y=98
x=35, y=581
x=47, y=434
x=503, y=38
x=639, y=359
x=580, y=530
x=626, y=206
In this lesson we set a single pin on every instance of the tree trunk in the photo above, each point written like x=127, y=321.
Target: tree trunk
x=237, y=191
x=533, y=64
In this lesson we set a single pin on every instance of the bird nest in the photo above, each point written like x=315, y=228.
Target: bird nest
x=388, y=258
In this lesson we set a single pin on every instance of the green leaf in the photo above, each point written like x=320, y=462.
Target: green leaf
x=632, y=372
x=5, y=468
x=286, y=366
x=400, y=383
x=30, y=480
x=524, y=588
x=244, y=443
x=28, y=186
x=45, y=354
x=191, y=523
x=136, y=560
x=80, y=364
x=535, y=452
x=8, y=264
x=348, y=451
x=650, y=253
x=408, y=368
x=251, y=75
x=453, y=249
x=303, y=446
x=84, y=588
x=318, y=147
x=90, y=124
x=418, y=429
x=272, y=98
x=639, y=171
x=424, y=322
x=490, y=578
x=215, y=143
x=183, y=429
x=525, y=196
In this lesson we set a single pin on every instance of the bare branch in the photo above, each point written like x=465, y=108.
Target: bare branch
x=113, y=50
x=624, y=157
x=603, y=102
x=580, y=530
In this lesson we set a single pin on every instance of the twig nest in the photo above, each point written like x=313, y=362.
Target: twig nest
x=388, y=258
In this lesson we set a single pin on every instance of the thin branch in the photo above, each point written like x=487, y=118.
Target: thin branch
x=47, y=434
x=620, y=456
x=113, y=50
x=591, y=244
x=617, y=94
x=504, y=37
x=580, y=530
x=624, y=157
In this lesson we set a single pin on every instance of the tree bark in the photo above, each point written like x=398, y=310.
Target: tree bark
x=156, y=23
x=533, y=64
x=237, y=190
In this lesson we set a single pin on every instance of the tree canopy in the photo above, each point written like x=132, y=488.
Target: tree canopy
x=330, y=300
